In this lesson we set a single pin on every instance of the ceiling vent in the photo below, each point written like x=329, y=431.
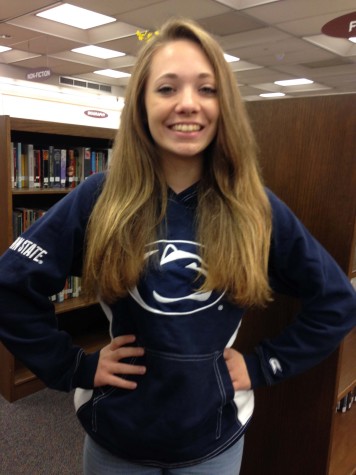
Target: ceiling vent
x=67, y=81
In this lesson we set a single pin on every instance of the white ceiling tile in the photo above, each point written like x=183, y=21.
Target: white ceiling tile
x=339, y=46
x=309, y=26
x=261, y=36
x=14, y=9
x=152, y=16
x=230, y=23
x=110, y=32
x=14, y=55
x=289, y=10
x=257, y=76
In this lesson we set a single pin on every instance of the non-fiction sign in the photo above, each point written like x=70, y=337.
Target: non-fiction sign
x=342, y=27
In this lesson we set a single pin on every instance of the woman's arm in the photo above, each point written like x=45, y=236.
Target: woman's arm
x=299, y=266
x=31, y=270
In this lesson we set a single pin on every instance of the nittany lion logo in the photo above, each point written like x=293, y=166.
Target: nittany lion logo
x=170, y=284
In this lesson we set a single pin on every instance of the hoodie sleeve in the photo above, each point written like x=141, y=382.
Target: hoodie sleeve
x=300, y=267
x=34, y=268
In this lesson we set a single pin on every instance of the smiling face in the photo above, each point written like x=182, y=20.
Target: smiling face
x=181, y=102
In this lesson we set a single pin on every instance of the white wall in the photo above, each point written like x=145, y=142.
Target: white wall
x=23, y=99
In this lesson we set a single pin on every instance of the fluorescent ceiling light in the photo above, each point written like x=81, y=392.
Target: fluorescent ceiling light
x=294, y=82
x=272, y=94
x=4, y=48
x=112, y=73
x=242, y=4
x=230, y=59
x=353, y=39
x=98, y=52
x=75, y=16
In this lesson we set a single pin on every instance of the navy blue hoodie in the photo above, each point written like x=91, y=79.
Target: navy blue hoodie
x=184, y=409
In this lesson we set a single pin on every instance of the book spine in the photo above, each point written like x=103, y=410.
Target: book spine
x=37, y=168
x=93, y=162
x=13, y=164
x=63, y=167
x=57, y=167
x=31, y=165
x=45, y=168
x=87, y=163
x=51, y=166
x=70, y=168
x=19, y=176
x=345, y=403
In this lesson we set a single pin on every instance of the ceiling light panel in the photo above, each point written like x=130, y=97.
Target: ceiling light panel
x=230, y=59
x=98, y=52
x=294, y=82
x=272, y=94
x=112, y=73
x=76, y=16
x=243, y=4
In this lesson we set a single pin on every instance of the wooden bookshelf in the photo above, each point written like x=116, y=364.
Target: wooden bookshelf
x=343, y=450
x=84, y=321
x=343, y=442
x=307, y=158
x=347, y=378
x=72, y=304
x=40, y=191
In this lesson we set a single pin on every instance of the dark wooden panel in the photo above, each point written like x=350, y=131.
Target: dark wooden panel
x=5, y=185
x=307, y=154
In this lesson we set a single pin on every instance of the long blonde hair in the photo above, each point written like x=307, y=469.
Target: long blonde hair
x=233, y=213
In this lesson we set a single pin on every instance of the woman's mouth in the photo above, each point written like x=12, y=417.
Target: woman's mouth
x=186, y=127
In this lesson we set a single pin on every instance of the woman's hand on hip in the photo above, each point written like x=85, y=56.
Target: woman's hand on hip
x=111, y=371
x=236, y=365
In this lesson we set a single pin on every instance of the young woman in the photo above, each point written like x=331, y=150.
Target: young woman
x=176, y=240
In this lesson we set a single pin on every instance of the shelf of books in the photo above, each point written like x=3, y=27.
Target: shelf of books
x=347, y=379
x=40, y=163
x=343, y=442
x=343, y=453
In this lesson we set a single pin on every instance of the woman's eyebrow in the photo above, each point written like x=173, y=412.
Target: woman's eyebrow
x=176, y=76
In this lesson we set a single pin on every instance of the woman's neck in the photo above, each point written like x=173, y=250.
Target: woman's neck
x=182, y=172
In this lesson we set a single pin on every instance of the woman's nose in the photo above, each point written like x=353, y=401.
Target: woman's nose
x=188, y=101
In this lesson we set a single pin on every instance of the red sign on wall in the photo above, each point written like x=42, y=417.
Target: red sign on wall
x=342, y=27
x=39, y=74
x=96, y=114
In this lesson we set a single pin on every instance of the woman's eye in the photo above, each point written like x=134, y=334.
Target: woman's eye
x=165, y=90
x=208, y=90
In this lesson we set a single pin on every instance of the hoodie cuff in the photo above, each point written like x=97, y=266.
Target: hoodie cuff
x=85, y=371
x=255, y=371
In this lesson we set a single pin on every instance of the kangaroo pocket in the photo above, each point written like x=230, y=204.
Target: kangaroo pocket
x=180, y=398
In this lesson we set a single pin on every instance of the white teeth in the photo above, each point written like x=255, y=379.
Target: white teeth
x=186, y=127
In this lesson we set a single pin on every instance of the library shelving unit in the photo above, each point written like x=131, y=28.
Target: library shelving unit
x=85, y=322
x=307, y=154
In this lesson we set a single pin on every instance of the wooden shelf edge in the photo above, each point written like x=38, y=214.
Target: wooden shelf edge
x=41, y=191
x=347, y=379
x=23, y=376
x=26, y=389
x=343, y=453
x=59, y=128
x=72, y=304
